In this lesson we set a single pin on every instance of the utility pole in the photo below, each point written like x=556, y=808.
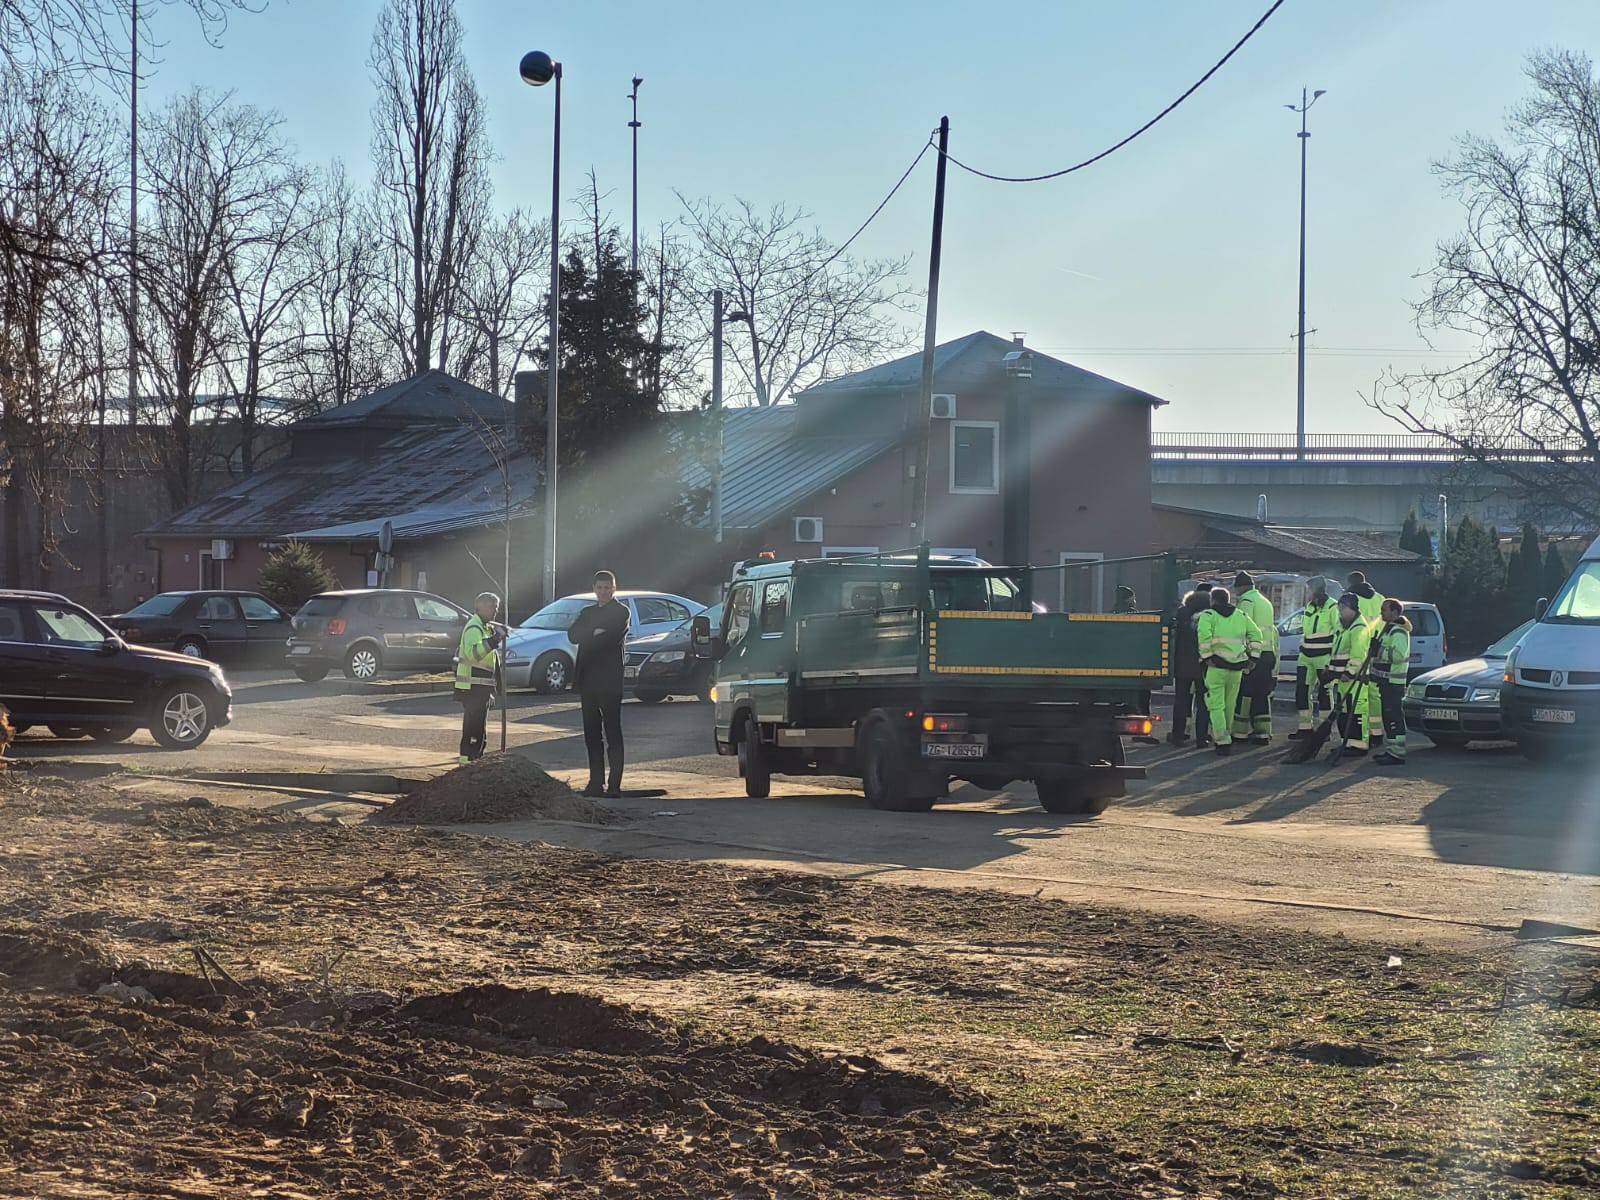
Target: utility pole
x=634, y=125
x=919, y=483
x=1300, y=339
x=133, y=225
x=716, y=409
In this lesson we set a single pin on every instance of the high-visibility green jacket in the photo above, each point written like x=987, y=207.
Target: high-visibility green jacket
x=1391, y=652
x=474, y=658
x=1259, y=609
x=1350, y=644
x=1233, y=637
x=1371, y=607
x=1318, y=624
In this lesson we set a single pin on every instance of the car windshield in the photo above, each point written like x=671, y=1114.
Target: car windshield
x=1578, y=602
x=1505, y=645
x=157, y=606
x=557, y=615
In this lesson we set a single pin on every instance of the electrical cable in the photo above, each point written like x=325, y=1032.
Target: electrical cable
x=1194, y=87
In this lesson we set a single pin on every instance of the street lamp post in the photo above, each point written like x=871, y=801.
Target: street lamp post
x=1305, y=136
x=634, y=125
x=717, y=319
x=538, y=69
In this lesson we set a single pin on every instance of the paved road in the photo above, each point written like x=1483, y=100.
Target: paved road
x=1458, y=842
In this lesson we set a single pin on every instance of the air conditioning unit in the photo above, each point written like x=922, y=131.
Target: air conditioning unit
x=221, y=549
x=808, y=529
x=944, y=406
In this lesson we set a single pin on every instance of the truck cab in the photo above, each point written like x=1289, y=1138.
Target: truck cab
x=907, y=671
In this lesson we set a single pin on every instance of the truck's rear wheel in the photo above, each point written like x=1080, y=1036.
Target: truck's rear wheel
x=884, y=774
x=753, y=764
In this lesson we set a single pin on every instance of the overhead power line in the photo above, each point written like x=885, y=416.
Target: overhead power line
x=1193, y=88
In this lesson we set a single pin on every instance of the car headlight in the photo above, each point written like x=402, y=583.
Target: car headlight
x=666, y=656
x=1485, y=695
x=1416, y=691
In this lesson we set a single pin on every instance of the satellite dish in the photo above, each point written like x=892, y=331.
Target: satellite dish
x=386, y=538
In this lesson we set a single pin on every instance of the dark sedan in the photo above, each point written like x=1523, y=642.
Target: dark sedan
x=224, y=626
x=1460, y=702
x=661, y=664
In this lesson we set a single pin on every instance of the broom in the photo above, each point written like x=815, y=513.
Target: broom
x=1309, y=746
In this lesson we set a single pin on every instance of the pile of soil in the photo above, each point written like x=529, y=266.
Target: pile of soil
x=498, y=787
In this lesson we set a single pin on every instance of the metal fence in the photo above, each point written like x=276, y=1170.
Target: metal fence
x=1345, y=448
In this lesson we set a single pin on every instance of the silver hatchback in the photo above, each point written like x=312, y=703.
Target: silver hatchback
x=368, y=630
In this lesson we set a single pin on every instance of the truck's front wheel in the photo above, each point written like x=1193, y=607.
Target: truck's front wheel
x=753, y=764
x=884, y=774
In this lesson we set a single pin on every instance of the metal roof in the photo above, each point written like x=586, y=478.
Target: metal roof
x=433, y=396
x=1323, y=545
x=766, y=470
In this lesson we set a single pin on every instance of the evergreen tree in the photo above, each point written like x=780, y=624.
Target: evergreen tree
x=292, y=574
x=1471, y=588
x=1414, y=536
x=1555, y=572
x=1524, y=576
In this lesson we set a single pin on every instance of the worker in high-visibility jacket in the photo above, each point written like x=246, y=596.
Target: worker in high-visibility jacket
x=1253, y=714
x=1229, y=643
x=1319, y=621
x=1344, y=671
x=1371, y=608
x=475, y=674
x=1391, y=663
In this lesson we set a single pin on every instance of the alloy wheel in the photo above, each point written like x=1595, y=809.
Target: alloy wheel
x=364, y=664
x=185, y=717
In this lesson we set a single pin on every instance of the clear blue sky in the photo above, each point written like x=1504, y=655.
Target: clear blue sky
x=1185, y=239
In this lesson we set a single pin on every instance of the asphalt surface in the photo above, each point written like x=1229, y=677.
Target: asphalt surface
x=1457, y=845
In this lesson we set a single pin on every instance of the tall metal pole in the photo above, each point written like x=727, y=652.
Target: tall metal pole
x=133, y=225
x=634, y=125
x=716, y=409
x=1300, y=346
x=919, y=490
x=552, y=375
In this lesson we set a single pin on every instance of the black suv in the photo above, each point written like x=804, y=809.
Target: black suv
x=368, y=630
x=61, y=667
x=240, y=627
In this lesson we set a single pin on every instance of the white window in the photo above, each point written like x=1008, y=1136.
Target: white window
x=847, y=551
x=1081, y=586
x=975, y=457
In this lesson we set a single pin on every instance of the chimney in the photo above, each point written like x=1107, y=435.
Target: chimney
x=1016, y=337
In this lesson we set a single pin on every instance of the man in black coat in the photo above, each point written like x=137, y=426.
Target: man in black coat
x=599, y=633
x=1189, y=673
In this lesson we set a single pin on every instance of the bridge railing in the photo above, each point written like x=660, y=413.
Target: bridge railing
x=1340, y=447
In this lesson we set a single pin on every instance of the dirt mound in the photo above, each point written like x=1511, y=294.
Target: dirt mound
x=498, y=787
x=52, y=958
x=569, y=1019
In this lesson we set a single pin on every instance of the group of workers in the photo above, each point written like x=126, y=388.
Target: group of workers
x=1353, y=661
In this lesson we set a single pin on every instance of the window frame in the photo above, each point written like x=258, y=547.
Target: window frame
x=1097, y=576
x=957, y=489
x=732, y=610
x=450, y=613
x=766, y=593
x=201, y=613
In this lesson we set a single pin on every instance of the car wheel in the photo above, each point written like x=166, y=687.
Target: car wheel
x=311, y=674
x=1447, y=741
x=362, y=662
x=111, y=733
x=884, y=772
x=182, y=717
x=753, y=764
x=191, y=647
x=69, y=731
x=551, y=673
x=650, y=697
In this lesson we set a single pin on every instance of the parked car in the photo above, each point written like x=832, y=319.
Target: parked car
x=1550, y=694
x=368, y=630
x=664, y=664
x=1429, y=646
x=61, y=667
x=539, y=656
x=243, y=627
x=1460, y=703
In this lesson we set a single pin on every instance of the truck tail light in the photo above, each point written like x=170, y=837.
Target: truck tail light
x=1133, y=726
x=944, y=723
x=336, y=626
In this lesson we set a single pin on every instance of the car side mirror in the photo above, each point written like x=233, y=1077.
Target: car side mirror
x=112, y=645
x=1540, y=607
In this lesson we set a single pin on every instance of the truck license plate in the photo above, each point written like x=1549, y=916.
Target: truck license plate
x=1440, y=714
x=952, y=750
x=1555, y=716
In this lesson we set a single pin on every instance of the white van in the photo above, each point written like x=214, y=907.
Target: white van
x=1550, y=695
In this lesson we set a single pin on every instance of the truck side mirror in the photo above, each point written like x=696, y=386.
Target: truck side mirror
x=1540, y=607
x=700, y=637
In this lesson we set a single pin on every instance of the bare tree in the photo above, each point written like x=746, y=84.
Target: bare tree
x=814, y=312
x=1523, y=281
x=504, y=302
x=431, y=150
x=214, y=169
x=92, y=34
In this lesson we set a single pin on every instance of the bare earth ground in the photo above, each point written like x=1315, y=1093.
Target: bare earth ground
x=410, y=1012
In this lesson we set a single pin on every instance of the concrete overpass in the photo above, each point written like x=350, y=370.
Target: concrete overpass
x=1361, y=482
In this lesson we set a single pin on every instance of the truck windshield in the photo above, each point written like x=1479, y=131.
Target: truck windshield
x=1578, y=603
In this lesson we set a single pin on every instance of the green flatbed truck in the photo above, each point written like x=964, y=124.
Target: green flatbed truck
x=907, y=671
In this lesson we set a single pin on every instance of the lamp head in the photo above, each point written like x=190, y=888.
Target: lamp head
x=1319, y=92
x=638, y=79
x=538, y=68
